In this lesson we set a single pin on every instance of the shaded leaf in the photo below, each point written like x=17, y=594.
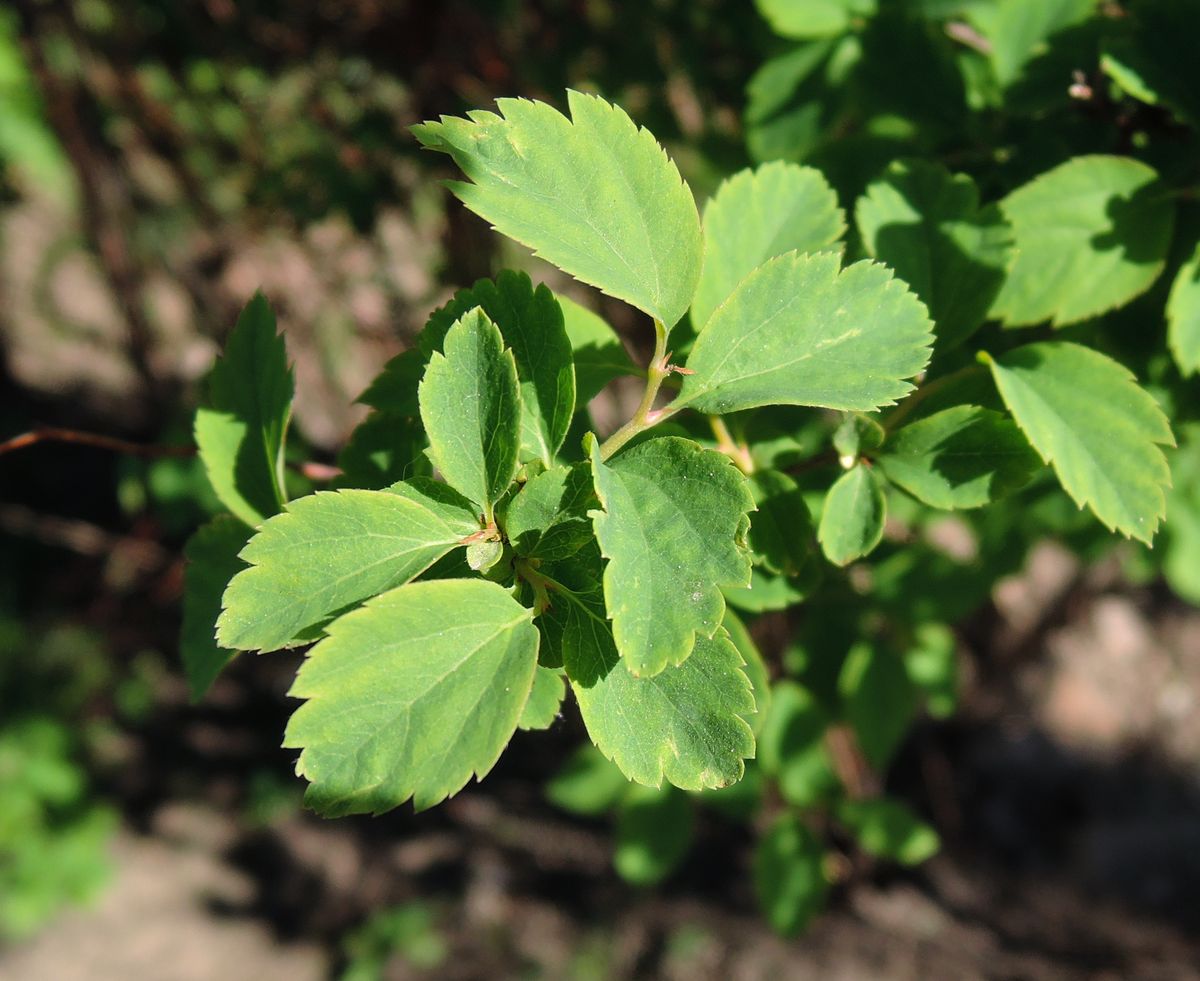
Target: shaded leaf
x=212, y=560
x=597, y=350
x=878, y=700
x=549, y=519
x=394, y=389
x=789, y=876
x=383, y=448
x=791, y=746
x=754, y=666
x=852, y=517
x=801, y=19
x=889, y=829
x=588, y=784
x=653, y=833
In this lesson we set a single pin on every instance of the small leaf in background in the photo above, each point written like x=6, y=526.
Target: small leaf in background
x=1155, y=61
x=754, y=666
x=931, y=661
x=241, y=427
x=549, y=520
x=927, y=224
x=768, y=591
x=212, y=560
x=1017, y=31
x=332, y=549
x=394, y=389
x=791, y=746
x=889, y=829
x=801, y=19
x=878, y=700
x=1087, y=417
x=781, y=530
x=545, y=700
x=598, y=352
x=673, y=530
x=800, y=331
x=653, y=834
x=964, y=457
x=411, y=695
x=789, y=875
x=757, y=215
x=593, y=194
x=588, y=784
x=857, y=434
x=471, y=408
x=1182, y=528
x=384, y=448
x=1183, y=316
x=853, y=516
x=1091, y=235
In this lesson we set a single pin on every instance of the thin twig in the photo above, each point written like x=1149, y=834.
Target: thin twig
x=52, y=434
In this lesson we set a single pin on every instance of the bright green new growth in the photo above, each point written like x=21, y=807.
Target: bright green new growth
x=593, y=194
x=1086, y=416
x=852, y=518
x=240, y=431
x=411, y=695
x=1183, y=316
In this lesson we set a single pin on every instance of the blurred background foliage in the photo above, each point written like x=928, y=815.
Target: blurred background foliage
x=160, y=160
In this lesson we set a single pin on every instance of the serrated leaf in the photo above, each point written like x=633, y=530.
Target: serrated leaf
x=531, y=322
x=754, y=666
x=411, y=695
x=1183, y=316
x=800, y=19
x=1091, y=235
x=549, y=519
x=471, y=408
x=1087, y=417
x=853, y=516
x=241, y=428
x=789, y=875
x=673, y=529
x=597, y=350
x=797, y=331
x=889, y=829
x=383, y=448
x=332, y=549
x=878, y=700
x=545, y=700
x=927, y=224
x=963, y=457
x=394, y=389
x=594, y=194
x=212, y=560
x=653, y=834
x=588, y=784
x=757, y=215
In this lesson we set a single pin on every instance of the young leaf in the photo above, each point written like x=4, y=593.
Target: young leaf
x=757, y=215
x=240, y=431
x=598, y=352
x=853, y=515
x=1087, y=417
x=878, y=700
x=549, y=519
x=593, y=194
x=384, y=448
x=212, y=560
x=889, y=829
x=410, y=695
x=926, y=223
x=673, y=530
x=654, y=832
x=963, y=457
x=801, y=19
x=1090, y=235
x=531, y=323
x=797, y=331
x=471, y=408
x=545, y=700
x=1183, y=316
x=789, y=875
x=1018, y=30
x=333, y=549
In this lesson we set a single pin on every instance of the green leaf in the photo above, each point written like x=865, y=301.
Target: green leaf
x=754, y=666
x=964, y=457
x=212, y=560
x=1018, y=30
x=1087, y=417
x=594, y=194
x=852, y=518
x=531, y=323
x=410, y=695
x=471, y=408
x=1183, y=316
x=588, y=784
x=549, y=519
x=597, y=350
x=545, y=700
x=889, y=829
x=383, y=448
x=932, y=664
x=673, y=530
x=791, y=747
x=800, y=19
x=927, y=224
x=878, y=700
x=768, y=591
x=797, y=331
x=241, y=429
x=394, y=389
x=1182, y=529
x=789, y=875
x=333, y=549
x=781, y=531
x=653, y=834
x=1091, y=235
x=757, y=215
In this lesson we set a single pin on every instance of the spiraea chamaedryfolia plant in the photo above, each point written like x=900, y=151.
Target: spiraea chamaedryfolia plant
x=484, y=550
